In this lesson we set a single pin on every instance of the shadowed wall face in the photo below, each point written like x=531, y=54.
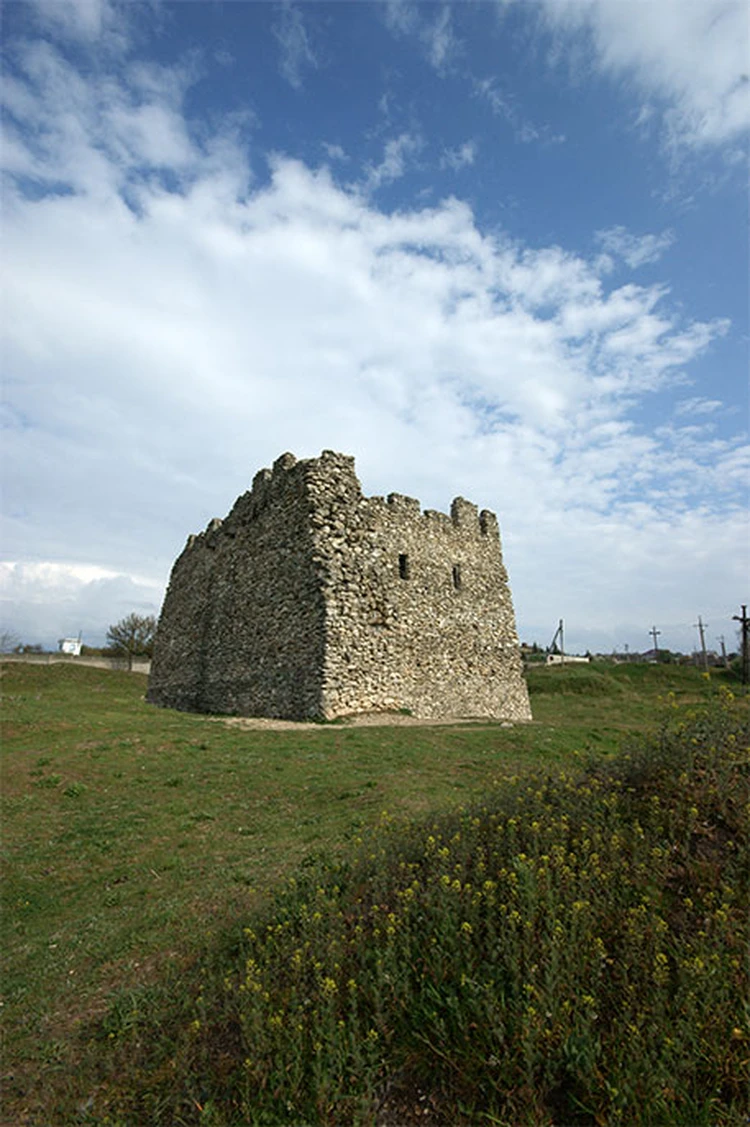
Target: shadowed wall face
x=312, y=600
x=241, y=629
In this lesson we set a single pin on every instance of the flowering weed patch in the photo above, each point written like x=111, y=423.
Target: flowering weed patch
x=571, y=951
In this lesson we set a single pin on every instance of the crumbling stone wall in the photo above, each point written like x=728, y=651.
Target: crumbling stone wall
x=313, y=600
x=242, y=626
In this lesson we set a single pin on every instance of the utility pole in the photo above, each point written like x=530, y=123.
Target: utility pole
x=655, y=634
x=559, y=634
x=744, y=622
x=724, y=657
x=699, y=626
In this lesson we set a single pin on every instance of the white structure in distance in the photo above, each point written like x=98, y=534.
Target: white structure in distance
x=70, y=646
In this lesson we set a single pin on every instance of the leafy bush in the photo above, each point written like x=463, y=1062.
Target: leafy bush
x=573, y=951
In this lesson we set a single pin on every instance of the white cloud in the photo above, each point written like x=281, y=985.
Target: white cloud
x=401, y=16
x=396, y=154
x=688, y=56
x=335, y=152
x=505, y=105
x=297, y=52
x=460, y=156
x=89, y=22
x=698, y=405
x=436, y=37
x=440, y=40
x=48, y=601
x=94, y=135
x=158, y=354
x=150, y=135
x=635, y=250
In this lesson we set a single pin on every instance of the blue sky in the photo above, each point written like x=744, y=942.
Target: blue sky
x=492, y=249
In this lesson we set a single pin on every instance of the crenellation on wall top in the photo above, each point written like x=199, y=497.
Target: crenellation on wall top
x=334, y=456
x=434, y=516
x=284, y=462
x=261, y=478
x=331, y=479
x=206, y=537
x=464, y=514
x=401, y=501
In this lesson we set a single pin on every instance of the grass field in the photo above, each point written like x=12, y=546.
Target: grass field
x=134, y=839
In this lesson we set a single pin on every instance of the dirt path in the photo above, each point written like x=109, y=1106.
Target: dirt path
x=361, y=720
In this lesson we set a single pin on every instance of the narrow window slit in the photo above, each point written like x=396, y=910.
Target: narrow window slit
x=457, y=576
x=403, y=566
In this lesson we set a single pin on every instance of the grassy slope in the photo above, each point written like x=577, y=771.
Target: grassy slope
x=570, y=951
x=129, y=832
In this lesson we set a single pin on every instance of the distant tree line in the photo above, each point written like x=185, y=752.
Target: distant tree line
x=132, y=637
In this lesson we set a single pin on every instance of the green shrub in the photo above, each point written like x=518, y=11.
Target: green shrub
x=573, y=951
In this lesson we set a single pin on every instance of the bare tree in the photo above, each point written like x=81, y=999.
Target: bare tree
x=133, y=636
x=9, y=641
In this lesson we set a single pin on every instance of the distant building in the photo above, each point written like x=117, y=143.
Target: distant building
x=70, y=646
x=566, y=659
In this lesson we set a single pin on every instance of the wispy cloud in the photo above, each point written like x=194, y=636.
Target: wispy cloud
x=634, y=250
x=459, y=157
x=699, y=405
x=335, y=152
x=297, y=54
x=504, y=104
x=436, y=36
x=102, y=136
x=440, y=39
x=87, y=22
x=401, y=16
x=396, y=154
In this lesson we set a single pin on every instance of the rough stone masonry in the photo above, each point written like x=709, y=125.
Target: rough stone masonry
x=311, y=600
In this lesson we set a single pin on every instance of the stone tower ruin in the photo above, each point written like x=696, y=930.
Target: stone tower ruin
x=312, y=601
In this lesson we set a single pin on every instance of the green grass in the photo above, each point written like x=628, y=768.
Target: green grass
x=132, y=838
x=572, y=950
